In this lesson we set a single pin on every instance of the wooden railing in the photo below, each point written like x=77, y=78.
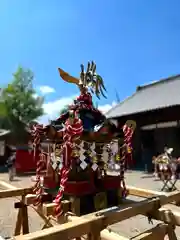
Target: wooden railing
x=94, y=226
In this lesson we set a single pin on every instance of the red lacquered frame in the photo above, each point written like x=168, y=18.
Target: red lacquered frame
x=81, y=188
x=111, y=182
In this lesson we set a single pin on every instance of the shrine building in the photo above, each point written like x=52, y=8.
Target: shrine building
x=156, y=109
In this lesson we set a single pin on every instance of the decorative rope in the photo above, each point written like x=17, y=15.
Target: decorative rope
x=128, y=133
x=126, y=156
x=122, y=170
x=37, y=132
x=73, y=128
x=84, y=101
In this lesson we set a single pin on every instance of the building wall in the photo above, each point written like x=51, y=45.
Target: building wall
x=162, y=137
x=137, y=148
x=167, y=137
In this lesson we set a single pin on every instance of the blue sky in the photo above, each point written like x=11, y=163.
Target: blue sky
x=132, y=41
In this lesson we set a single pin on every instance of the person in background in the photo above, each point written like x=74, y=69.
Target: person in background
x=11, y=162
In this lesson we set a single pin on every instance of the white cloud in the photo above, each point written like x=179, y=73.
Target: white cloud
x=105, y=108
x=53, y=108
x=46, y=89
x=35, y=95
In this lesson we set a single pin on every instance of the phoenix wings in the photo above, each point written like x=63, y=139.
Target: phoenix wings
x=88, y=78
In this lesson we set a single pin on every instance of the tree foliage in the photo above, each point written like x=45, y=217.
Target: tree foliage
x=18, y=104
x=64, y=109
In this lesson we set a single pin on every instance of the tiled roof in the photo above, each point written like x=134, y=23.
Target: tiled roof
x=156, y=95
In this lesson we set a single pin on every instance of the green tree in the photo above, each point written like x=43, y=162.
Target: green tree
x=18, y=104
x=64, y=109
x=3, y=111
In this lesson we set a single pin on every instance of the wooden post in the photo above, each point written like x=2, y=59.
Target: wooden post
x=46, y=219
x=17, y=230
x=95, y=233
x=171, y=233
x=75, y=205
x=48, y=208
x=25, y=222
x=22, y=217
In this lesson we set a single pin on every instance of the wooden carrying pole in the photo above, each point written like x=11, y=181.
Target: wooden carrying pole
x=48, y=208
x=100, y=220
x=12, y=191
x=6, y=185
x=143, y=193
x=156, y=233
x=94, y=225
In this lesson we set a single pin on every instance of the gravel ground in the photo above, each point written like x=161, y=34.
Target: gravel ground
x=127, y=228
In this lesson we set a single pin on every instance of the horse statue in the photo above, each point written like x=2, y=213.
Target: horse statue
x=165, y=164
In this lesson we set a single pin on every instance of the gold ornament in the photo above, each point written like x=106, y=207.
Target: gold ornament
x=118, y=157
x=131, y=124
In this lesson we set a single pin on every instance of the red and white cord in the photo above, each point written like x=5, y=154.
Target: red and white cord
x=71, y=130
